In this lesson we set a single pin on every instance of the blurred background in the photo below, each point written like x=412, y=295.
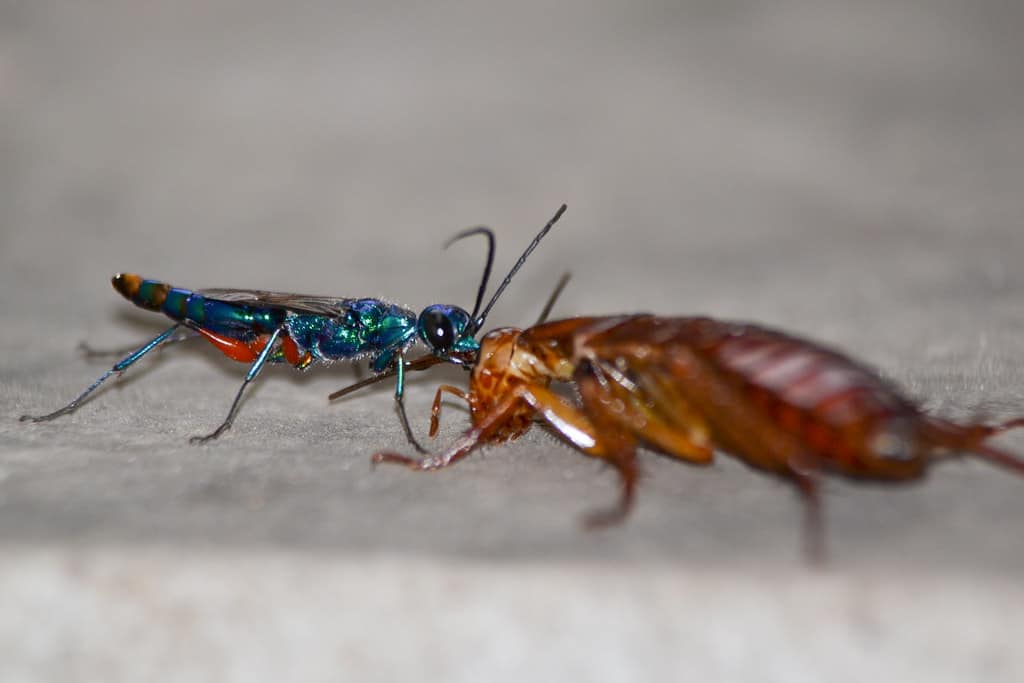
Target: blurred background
x=850, y=171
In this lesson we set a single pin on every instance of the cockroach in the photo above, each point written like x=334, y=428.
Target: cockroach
x=690, y=386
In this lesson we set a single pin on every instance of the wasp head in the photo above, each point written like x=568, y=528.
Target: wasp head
x=448, y=332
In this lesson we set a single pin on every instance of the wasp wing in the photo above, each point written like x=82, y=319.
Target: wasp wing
x=298, y=303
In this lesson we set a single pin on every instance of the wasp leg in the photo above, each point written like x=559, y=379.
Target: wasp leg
x=435, y=409
x=117, y=369
x=400, y=366
x=90, y=353
x=254, y=370
x=398, y=369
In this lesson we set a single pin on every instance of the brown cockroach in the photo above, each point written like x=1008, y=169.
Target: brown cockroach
x=690, y=386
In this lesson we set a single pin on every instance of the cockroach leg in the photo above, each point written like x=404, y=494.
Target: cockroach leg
x=685, y=437
x=481, y=433
x=459, y=450
x=973, y=439
x=622, y=457
x=814, y=526
x=994, y=430
x=606, y=412
x=806, y=472
x=435, y=409
x=1015, y=423
x=563, y=416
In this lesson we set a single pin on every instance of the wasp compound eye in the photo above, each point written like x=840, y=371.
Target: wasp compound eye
x=438, y=330
x=442, y=327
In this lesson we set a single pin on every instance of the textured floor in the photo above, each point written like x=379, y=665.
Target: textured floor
x=847, y=171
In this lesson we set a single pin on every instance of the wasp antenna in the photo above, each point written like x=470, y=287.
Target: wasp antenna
x=486, y=232
x=479, y=322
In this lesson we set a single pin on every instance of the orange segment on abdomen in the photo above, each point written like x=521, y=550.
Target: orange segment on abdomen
x=236, y=349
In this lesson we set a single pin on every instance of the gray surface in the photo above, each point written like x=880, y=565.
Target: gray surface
x=848, y=171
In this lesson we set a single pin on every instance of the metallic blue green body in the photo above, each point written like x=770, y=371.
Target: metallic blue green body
x=271, y=327
x=328, y=329
x=369, y=327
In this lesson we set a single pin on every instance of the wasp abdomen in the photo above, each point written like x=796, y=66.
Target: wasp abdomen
x=187, y=306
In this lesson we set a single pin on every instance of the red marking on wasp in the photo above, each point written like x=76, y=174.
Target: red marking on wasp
x=236, y=349
x=290, y=350
x=292, y=354
x=686, y=386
